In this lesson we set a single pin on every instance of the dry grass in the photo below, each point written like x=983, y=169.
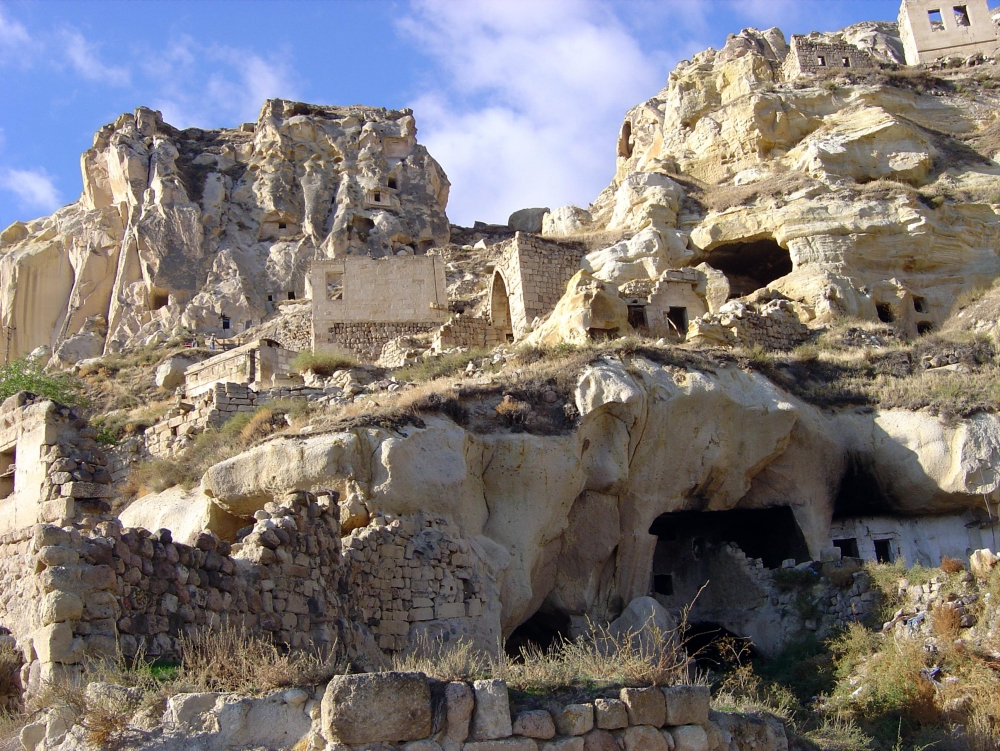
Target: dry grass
x=596, y=661
x=951, y=565
x=323, y=365
x=232, y=659
x=946, y=622
x=776, y=186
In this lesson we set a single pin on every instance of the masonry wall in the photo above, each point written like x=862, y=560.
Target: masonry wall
x=534, y=274
x=923, y=43
x=90, y=594
x=773, y=326
x=922, y=540
x=467, y=331
x=260, y=362
x=397, y=289
x=675, y=289
x=365, y=340
x=60, y=471
x=808, y=56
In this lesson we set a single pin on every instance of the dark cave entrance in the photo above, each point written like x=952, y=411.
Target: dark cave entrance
x=750, y=266
x=712, y=646
x=543, y=630
x=694, y=547
x=860, y=493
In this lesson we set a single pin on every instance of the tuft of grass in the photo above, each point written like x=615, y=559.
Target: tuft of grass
x=322, y=364
x=951, y=565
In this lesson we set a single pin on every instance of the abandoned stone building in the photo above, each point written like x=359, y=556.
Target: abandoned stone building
x=808, y=54
x=930, y=29
x=260, y=364
x=361, y=303
x=51, y=468
x=528, y=281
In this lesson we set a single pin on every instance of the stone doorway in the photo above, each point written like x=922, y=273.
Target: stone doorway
x=500, y=308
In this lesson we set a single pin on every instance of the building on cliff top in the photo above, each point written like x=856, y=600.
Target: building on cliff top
x=931, y=30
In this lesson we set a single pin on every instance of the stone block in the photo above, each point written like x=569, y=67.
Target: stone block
x=187, y=710
x=52, y=555
x=459, y=702
x=600, y=740
x=516, y=743
x=687, y=705
x=690, y=738
x=575, y=743
x=644, y=738
x=376, y=708
x=536, y=723
x=56, y=643
x=575, y=719
x=645, y=706
x=58, y=606
x=610, y=714
x=491, y=717
x=86, y=490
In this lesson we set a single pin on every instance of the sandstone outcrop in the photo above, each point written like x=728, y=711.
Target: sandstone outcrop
x=197, y=231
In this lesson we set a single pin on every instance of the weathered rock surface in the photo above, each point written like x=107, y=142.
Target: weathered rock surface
x=177, y=228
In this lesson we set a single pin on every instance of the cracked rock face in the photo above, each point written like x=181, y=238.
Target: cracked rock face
x=178, y=229
x=567, y=518
x=730, y=153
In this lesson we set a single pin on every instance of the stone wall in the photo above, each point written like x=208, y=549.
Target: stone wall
x=415, y=571
x=532, y=277
x=75, y=595
x=358, y=304
x=54, y=469
x=467, y=331
x=409, y=711
x=262, y=363
x=772, y=325
x=365, y=340
x=807, y=55
x=925, y=41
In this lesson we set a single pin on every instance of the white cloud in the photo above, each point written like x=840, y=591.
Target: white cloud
x=16, y=44
x=530, y=101
x=34, y=188
x=231, y=93
x=82, y=55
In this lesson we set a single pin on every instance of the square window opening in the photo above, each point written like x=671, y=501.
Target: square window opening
x=334, y=286
x=393, y=184
x=936, y=19
x=845, y=62
x=291, y=294
x=821, y=61
x=883, y=551
x=282, y=225
x=884, y=313
x=226, y=324
x=8, y=461
x=919, y=304
x=848, y=547
x=961, y=15
x=663, y=584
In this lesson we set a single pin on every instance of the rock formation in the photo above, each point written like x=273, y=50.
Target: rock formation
x=198, y=231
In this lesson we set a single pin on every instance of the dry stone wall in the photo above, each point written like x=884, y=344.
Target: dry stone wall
x=467, y=331
x=76, y=595
x=366, y=340
x=774, y=325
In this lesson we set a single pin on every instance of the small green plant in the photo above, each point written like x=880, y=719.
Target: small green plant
x=21, y=375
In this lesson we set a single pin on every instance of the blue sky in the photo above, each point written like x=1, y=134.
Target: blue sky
x=520, y=100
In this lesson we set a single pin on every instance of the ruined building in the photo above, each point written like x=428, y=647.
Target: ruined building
x=930, y=29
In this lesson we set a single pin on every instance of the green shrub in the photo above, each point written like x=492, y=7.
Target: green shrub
x=323, y=365
x=20, y=375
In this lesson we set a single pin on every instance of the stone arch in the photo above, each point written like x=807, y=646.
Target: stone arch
x=500, y=316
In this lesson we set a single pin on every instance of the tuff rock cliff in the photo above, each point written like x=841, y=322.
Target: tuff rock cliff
x=177, y=229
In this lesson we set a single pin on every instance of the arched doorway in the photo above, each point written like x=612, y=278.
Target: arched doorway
x=500, y=307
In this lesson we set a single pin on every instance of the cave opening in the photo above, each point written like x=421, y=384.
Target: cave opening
x=749, y=266
x=696, y=547
x=541, y=631
x=860, y=493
